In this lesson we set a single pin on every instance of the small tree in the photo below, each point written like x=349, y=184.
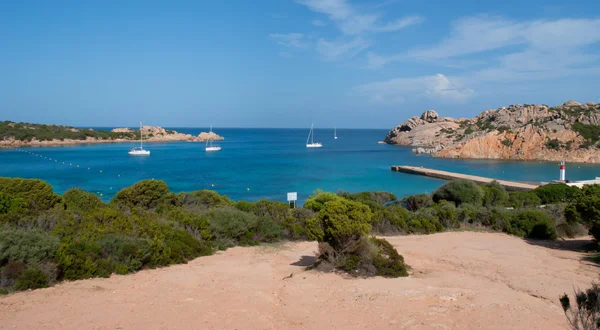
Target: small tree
x=344, y=222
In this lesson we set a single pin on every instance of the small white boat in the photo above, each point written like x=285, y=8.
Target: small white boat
x=139, y=151
x=334, y=133
x=209, y=144
x=310, y=138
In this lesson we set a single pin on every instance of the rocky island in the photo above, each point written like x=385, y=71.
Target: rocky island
x=570, y=132
x=26, y=134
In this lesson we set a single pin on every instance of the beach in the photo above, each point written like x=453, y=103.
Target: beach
x=459, y=280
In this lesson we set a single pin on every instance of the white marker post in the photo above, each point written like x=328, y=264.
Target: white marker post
x=292, y=197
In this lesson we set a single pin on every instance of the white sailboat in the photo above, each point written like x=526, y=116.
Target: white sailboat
x=139, y=151
x=334, y=133
x=209, y=144
x=311, y=136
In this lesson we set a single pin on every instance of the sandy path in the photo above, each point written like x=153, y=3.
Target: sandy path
x=461, y=281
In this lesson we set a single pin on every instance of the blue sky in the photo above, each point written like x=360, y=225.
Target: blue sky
x=280, y=63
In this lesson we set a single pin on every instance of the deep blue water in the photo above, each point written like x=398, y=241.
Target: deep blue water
x=262, y=163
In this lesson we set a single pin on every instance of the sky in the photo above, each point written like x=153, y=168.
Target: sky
x=288, y=63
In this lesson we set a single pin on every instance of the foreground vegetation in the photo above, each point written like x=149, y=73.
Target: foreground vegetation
x=45, y=238
x=40, y=132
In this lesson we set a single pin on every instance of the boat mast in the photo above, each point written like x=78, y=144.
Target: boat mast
x=141, y=139
x=309, y=133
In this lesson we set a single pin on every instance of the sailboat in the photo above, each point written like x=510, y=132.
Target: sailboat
x=334, y=133
x=209, y=144
x=311, y=136
x=139, y=151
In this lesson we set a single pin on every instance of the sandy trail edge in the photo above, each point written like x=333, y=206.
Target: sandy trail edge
x=462, y=280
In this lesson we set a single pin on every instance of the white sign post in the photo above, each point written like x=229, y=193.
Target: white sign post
x=292, y=197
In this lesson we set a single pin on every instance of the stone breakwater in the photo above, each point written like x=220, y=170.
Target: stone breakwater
x=517, y=132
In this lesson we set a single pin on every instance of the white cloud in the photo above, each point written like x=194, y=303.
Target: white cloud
x=438, y=87
x=291, y=40
x=318, y=22
x=352, y=21
x=335, y=50
x=478, y=34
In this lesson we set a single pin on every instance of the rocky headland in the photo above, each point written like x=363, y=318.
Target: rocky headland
x=25, y=134
x=570, y=132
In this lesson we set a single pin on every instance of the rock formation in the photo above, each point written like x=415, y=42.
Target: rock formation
x=570, y=132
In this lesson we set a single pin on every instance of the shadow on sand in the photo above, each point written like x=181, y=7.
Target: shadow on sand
x=583, y=245
x=577, y=245
x=305, y=261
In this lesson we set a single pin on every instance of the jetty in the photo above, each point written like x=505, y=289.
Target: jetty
x=508, y=185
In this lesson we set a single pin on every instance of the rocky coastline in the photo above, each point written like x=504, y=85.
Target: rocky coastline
x=570, y=132
x=150, y=133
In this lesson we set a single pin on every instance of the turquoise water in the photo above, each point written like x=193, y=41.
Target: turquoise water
x=262, y=163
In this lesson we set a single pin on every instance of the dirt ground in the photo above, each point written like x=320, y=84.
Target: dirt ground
x=460, y=280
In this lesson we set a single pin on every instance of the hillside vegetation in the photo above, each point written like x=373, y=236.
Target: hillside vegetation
x=45, y=238
x=40, y=132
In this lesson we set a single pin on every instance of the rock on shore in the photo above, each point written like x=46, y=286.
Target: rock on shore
x=518, y=132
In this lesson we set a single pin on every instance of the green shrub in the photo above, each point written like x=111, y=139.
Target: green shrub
x=37, y=195
x=388, y=262
x=146, y=194
x=459, y=192
x=317, y=201
x=27, y=246
x=532, y=224
x=196, y=224
x=519, y=199
x=129, y=253
x=586, y=208
x=417, y=202
x=78, y=199
x=391, y=220
x=278, y=212
x=3, y=291
x=556, y=193
x=446, y=213
x=32, y=279
x=205, y=199
x=80, y=260
x=494, y=195
x=244, y=206
x=424, y=222
x=344, y=222
x=231, y=227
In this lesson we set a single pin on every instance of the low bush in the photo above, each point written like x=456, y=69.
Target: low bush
x=317, y=201
x=368, y=257
x=205, y=199
x=586, y=208
x=494, y=195
x=80, y=200
x=32, y=279
x=518, y=199
x=29, y=247
x=556, y=193
x=532, y=224
x=417, y=202
x=146, y=194
x=459, y=192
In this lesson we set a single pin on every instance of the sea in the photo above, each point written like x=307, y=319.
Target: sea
x=259, y=164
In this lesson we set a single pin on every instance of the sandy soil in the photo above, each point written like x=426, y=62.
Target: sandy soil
x=461, y=281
